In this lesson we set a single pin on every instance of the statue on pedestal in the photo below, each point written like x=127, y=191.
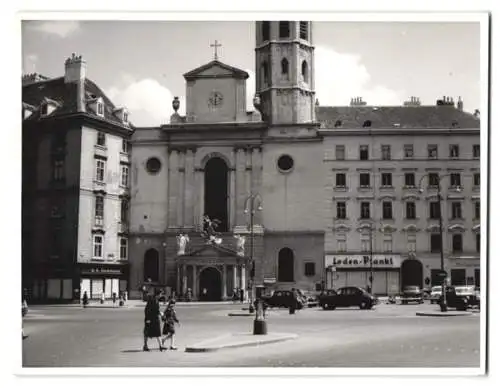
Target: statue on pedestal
x=240, y=244
x=182, y=240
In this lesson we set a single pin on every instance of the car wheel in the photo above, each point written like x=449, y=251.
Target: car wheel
x=363, y=305
x=325, y=306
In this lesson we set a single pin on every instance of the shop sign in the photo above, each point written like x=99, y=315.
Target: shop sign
x=110, y=271
x=270, y=280
x=363, y=261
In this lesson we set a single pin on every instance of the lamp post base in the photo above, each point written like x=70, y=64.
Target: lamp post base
x=259, y=327
x=444, y=307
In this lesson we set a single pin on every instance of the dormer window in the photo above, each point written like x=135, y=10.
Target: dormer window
x=367, y=124
x=44, y=109
x=100, y=108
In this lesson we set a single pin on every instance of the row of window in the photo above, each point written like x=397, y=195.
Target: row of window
x=98, y=247
x=408, y=152
x=266, y=71
x=435, y=243
x=409, y=179
x=99, y=210
x=284, y=30
x=101, y=141
x=100, y=170
x=411, y=212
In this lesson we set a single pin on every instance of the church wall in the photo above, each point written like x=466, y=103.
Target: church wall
x=307, y=247
x=149, y=192
x=293, y=201
x=200, y=93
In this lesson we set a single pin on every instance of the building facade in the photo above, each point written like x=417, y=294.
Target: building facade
x=222, y=161
x=75, y=188
x=307, y=196
x=385, y=166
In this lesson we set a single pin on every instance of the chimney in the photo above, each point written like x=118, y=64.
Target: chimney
x=75, y=73
x=32, y=78
x=357, y=101
x=460, y=104
x=75, y=69
x=413, y=101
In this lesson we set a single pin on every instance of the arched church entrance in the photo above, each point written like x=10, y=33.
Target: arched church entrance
x=216, y=192
x=210, y=284
x=412, y=273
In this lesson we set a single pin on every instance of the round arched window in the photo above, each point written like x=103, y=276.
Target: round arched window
x=285, y=163
x=153, y=165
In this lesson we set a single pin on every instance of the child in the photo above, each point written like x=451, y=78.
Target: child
x=170, y=318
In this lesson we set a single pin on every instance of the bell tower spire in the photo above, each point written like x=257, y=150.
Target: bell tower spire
x=284, y=56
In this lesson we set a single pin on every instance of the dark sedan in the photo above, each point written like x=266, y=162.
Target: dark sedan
x=462, y=297
x=284, y=299
x=347, y=297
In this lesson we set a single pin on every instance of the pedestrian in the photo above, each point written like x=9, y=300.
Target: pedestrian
x=189, y=295
x=204, y=294
x=152, y=327
x=170, y=319
x=114, y=299
x=242, y=295
x=85, y=299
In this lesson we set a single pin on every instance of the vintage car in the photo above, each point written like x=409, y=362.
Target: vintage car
x=412, y=294
x=284, y=298
x=436, y=293
x=310, y=298
x=462, y=297
x=347, y=297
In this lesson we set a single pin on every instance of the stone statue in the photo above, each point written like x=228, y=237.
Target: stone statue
x=209, y=232
x=240, y=244
x=182, y=241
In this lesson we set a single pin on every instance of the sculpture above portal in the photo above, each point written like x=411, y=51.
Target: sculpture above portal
x=182, y=241
x=240, y=244
x=209, y=232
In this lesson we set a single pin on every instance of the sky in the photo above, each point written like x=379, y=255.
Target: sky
x=139, y=64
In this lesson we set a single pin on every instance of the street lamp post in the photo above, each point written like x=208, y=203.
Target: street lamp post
x=443, y=304
x=371, y=260
x=252, y=204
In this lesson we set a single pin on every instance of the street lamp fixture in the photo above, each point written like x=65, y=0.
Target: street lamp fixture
x=443, y=304
x=253, y=203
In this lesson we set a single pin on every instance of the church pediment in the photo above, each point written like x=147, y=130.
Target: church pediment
x=216, y=69
x=212, y=250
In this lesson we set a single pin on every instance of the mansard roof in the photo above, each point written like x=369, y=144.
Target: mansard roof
x=355, y=117
x=66, y=95
x=224, y=71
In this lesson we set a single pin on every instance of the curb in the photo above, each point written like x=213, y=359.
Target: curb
x=447, y=314
x=241, y=314
x=200, y=348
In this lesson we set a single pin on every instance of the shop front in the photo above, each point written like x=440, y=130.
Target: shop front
x=103, y=279
x=465, y=270
x=355, y=270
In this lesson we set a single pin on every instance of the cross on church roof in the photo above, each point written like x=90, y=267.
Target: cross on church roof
x=215, y=46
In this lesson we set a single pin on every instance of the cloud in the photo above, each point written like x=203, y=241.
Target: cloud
x=60, y=28
x=149, y=102
x=340, y=76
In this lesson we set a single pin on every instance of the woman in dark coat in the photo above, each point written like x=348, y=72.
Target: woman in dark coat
x=152, y=322
x=170, y=319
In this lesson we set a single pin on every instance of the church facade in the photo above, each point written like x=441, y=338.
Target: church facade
x=259, y=173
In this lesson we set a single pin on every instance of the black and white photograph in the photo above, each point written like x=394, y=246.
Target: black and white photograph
x=281, y=192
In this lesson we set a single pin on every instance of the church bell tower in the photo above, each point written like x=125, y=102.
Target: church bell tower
x=284, y=56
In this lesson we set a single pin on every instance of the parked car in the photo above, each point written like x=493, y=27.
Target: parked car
x=284, y=298
x=310, y=298
x=461, y=297
x=347, y=297
x=436, y=293
x=412, y=294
